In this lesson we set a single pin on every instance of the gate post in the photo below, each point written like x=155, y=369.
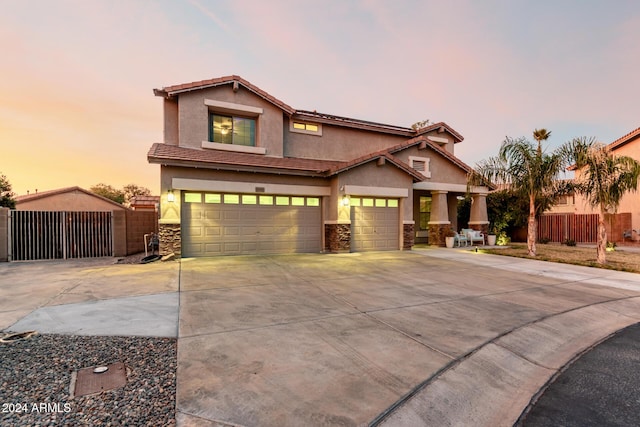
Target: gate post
x=4, y=235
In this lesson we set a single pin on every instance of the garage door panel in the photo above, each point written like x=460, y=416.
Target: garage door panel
x=212, y=215
x=375, y=228
x=212, y=231
x=230, y=231
x=195, y=231
x=225, y=228
x=212, y=247
x=248, y=230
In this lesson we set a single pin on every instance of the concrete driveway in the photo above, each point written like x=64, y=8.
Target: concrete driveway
x=90, y=297
x=433, y=337
x=427, y=337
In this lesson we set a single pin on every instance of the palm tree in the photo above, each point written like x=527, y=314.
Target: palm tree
x=526, y=170
x=603, y=178
x=541, y=135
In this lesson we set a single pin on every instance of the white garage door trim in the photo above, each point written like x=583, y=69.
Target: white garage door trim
x=375, y=224
x=239, y=224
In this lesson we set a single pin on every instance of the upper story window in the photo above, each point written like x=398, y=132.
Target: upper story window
x=305, y=127
x=232, y=130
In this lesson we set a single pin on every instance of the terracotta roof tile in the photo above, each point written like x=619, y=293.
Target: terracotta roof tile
x=218, y=159
x=374, y=156
x=170, y=154
x=303, y=114
x=202, y=84
x=438, y=125
x=624, y=140
x=349, y=122
x=435, y=147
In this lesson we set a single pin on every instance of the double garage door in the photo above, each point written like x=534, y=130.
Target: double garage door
x=235, y=224
x=374, y=224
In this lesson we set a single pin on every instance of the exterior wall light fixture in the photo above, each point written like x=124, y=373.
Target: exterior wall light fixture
x=170, y=197
x=345, y=200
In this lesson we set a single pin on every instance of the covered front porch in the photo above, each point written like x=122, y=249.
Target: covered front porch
x=435, y=209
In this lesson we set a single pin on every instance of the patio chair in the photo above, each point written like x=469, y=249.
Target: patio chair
x=460, y=238
x=473, y=236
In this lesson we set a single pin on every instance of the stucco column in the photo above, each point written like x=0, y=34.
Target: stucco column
x=439, y=221
x=479, y=219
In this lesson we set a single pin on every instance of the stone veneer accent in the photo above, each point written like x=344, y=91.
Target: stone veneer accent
x=337, y=237
x=436, y=233
x=170, y=239
x=408, y=236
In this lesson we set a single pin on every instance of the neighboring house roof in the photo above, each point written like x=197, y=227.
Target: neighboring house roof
x=171, y=91
x=43, y=194
x=630, y=137
x=140, y=199
x=624, y=140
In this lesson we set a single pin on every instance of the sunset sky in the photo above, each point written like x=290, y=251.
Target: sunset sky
x=76, y=77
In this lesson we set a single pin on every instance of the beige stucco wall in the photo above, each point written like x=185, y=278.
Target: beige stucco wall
x=336, y=143
x=71, y=201
x=374, y=176
x=170, y=211
x=193, y=117
x=171, y=130
x=442, y=170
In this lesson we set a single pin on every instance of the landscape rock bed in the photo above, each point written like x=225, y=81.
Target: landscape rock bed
x=36, y=374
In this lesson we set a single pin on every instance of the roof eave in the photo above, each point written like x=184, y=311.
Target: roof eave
x=235, y=167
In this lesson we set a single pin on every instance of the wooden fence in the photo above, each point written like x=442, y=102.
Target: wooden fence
x=582, y=228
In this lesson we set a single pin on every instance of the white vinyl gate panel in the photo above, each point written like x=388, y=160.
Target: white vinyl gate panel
x=250, y=224
x=374, y=227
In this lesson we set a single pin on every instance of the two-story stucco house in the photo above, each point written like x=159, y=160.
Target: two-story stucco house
x=244, y=173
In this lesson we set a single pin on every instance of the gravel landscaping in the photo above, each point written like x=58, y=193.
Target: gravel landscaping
x=36, y=374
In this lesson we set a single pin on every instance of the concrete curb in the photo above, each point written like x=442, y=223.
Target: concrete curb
x=495, y=383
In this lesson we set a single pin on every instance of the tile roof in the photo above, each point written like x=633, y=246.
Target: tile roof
x=375, y=156
x=438, y=149
x=203, y=84
x=441, y=126
x=624, y=140
x=216, y=159
x=169, y=91
x=181, y=156
x=349, y=122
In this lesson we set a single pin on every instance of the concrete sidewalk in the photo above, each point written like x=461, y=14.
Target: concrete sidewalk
x=427, y=337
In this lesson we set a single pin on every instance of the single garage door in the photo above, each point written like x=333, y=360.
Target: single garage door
x=234, y=224
x=374, y=224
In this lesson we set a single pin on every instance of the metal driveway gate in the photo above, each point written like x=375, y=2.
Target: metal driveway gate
x=60, y=235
